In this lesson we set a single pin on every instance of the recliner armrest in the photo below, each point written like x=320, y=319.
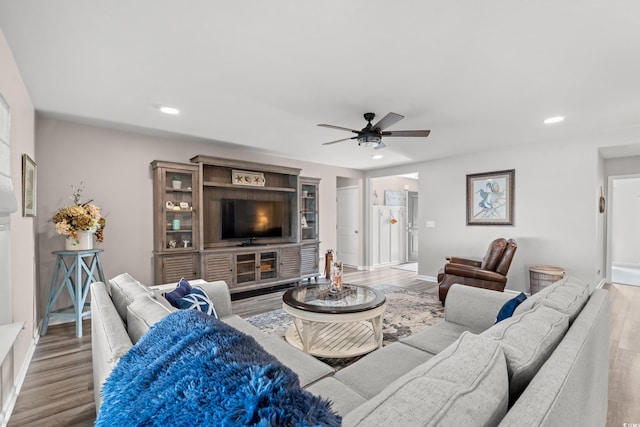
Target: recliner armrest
x=219, y=293
x=474, y=273
x=475, y=308
x=464, y=261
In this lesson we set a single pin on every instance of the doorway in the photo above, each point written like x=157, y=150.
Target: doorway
x=348, y=224
x=412, y=226
x=624, y=230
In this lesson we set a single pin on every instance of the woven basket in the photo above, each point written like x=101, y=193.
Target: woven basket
x=541, y=276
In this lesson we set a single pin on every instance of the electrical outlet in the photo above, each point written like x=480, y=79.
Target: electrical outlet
x=431, y=224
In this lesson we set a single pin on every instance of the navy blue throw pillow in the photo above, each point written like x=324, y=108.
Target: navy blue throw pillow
x=509, y=307
x=198, y=300
x=180, y=291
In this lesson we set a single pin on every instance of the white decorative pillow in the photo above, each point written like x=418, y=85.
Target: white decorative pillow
x=528, y=340
x=465, y=384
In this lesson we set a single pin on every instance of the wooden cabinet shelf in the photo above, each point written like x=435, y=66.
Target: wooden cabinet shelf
x=188, y=238
x=176, y=239
x=244, y=187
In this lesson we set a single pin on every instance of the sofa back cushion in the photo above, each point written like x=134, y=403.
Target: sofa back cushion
x=528, y=340
x=465, y=384
x=124, y=289
x=142, y=314
x=568, y=295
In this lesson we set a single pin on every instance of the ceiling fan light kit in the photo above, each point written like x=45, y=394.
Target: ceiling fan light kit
x=371, y=135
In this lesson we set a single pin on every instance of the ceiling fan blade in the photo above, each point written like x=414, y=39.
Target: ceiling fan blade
x=423, y=133
x=339, y=140
x=338, y=127
x=379, y=146
x=387, y=121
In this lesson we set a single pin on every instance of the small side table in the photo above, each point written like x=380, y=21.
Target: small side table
x=85, y=264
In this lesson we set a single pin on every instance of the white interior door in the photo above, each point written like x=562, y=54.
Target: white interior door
x=348, y=222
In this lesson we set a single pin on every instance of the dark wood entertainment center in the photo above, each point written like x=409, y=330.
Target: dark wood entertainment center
x=244, y=264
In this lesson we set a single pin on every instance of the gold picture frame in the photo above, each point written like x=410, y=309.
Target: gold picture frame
x=29, y=186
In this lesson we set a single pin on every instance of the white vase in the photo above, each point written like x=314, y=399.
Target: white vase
x=177, y=185
x=83, y=243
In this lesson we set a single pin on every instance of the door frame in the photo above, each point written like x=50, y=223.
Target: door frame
x=359, y=222
x=609, y=226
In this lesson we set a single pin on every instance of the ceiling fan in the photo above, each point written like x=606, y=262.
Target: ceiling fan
x=371, y=135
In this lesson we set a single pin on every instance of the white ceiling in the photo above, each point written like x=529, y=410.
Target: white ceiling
x=263, y=74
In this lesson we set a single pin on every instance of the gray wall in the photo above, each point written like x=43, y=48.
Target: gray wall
x=556, y=217
x=114, y=167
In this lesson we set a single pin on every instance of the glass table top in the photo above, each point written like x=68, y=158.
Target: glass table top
x=320, y=299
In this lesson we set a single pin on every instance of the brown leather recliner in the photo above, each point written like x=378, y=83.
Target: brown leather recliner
x=490, y=273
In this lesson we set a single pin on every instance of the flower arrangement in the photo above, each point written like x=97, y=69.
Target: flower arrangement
x=79, y=217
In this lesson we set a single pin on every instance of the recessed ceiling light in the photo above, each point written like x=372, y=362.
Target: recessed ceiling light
x=169, y=110
x=551, y=120
x=377, y=156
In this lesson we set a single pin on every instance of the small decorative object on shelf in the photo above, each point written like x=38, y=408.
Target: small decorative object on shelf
x=79, y=222
x=185, y=243
x=254, y=179
x=172, y=244
x=176, y=182
x=336, y=276
x=175, y=224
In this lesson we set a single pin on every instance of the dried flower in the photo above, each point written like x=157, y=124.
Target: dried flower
x=79, y=217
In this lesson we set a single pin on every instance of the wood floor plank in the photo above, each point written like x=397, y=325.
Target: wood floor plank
x=58, y=389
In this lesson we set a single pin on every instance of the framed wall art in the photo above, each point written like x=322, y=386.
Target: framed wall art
x=490, y=198
x=394, y=198
x=29, y=181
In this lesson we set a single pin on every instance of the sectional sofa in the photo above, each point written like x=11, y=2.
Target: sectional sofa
x=547, y=365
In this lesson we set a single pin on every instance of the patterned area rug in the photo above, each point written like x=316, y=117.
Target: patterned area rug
x=407, y=313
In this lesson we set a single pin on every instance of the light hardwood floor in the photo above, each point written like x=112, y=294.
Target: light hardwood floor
x=58, y=389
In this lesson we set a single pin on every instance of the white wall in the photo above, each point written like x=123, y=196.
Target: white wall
x=22, y=228
x=114, y=166
x=556, y=190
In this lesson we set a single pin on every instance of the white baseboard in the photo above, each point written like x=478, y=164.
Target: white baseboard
x=427, y=278
x=22, y=374
x=601, y=284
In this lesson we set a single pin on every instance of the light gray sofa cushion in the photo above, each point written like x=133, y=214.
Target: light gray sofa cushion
x=527, y=341
x=142, y=314
x=568, y=295
x=437, y=337
x=124, y=289
x=466, y=384
x=343, y=398
x=371, y=374
x=474, y=307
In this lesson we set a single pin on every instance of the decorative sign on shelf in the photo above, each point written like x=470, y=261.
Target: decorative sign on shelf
x=254, y=179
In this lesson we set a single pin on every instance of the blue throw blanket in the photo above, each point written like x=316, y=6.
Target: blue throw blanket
x=190, y=369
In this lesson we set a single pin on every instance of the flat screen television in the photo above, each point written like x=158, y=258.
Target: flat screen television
x=248, y=219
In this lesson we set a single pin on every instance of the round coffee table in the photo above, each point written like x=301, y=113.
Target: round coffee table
x=346, y=323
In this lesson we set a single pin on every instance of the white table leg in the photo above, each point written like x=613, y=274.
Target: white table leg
x=376, y=322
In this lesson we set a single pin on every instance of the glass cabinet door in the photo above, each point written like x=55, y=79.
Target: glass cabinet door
x=268, y=265
x=245, y=268
x=178, y=209
x=309, y=209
